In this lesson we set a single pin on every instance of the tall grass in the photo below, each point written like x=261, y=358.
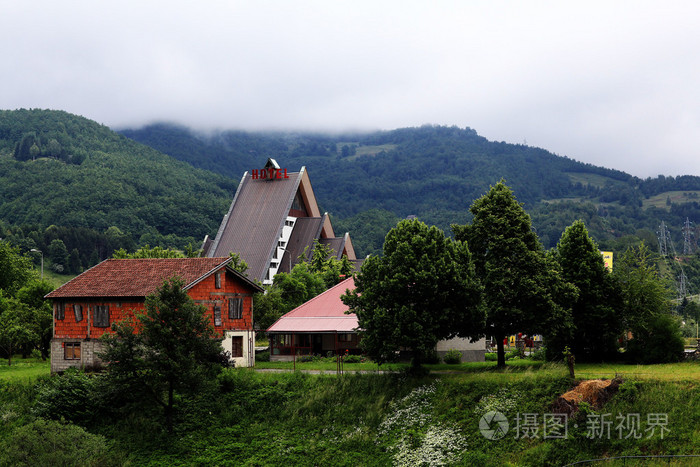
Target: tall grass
x=266, y=418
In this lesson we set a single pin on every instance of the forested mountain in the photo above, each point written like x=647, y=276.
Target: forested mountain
x=435, y=172
x=66, y=178
x=98, y=189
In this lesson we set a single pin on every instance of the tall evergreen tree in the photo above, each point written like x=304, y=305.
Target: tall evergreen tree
x=523, y=290
x=169, y=349
x=596, y=322
x=423, y=289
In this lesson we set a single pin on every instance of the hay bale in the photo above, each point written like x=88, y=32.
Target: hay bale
x=596, y=392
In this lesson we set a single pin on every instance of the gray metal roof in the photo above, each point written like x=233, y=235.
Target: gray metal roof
x=255, y=220
x=306, y=230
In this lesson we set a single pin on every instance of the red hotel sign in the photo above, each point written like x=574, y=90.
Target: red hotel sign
x=269, y=174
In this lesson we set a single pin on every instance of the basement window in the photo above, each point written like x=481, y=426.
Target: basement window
x=71, y=351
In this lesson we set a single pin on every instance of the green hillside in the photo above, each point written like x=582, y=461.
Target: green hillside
x=97, y=180
x=98, y=190
x=435, y=173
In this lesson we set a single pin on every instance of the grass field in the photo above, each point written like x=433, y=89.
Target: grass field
x=684, y=371
x=21, y=368
x=676, y=197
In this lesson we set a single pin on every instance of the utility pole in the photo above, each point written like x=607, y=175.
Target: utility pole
x=687, y=237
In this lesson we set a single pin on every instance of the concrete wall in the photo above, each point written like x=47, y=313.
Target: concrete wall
x=248, y=358
x=471, y=351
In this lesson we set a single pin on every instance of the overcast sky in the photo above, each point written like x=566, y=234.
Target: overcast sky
x=613, y=83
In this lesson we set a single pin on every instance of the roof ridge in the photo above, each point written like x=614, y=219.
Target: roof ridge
x=319, y=295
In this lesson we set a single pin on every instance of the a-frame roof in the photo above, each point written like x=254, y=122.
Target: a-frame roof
x=323, y=313
x=256, y=217
x=141, y=277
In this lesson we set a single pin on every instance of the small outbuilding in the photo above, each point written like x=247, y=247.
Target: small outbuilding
x=316, y=327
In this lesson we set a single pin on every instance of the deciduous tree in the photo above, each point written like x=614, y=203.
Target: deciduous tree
x=523, y=290
x=646, y=309
x=421, y=290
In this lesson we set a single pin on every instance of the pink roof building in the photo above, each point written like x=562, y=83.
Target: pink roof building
x=317, y=327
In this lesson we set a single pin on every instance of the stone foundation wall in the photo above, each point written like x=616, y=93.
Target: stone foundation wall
x=88, y=354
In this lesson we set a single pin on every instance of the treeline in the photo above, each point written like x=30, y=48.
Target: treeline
x=66, y=250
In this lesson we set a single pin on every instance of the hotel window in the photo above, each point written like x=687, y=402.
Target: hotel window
x=289, y=223
x=237, y=346
x=217, y=279
x=60, y=310
x=78, y=312
x=281, y=244
x=235, y=308
x=71, y=350
x=101, y=318
x=217, y=315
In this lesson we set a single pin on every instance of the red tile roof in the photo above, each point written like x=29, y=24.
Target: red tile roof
x=136, y=277
x=323, y=313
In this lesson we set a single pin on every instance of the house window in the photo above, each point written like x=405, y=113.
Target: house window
x=217, y=279
x=235, y=308
x=60, y=310
x=71, y=351
x=217, y=315
x=78, y=312
x=345, y=337
x=101, y=318
x=237, y=346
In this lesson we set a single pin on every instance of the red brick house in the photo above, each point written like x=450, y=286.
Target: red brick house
x=85, y=307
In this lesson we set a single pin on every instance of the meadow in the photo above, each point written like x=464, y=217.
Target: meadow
x=372, y=418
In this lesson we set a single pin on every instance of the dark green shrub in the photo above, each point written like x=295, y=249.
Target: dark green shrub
x=628, y=391
x=514, y=354
x=432, y=357
x=73, y=396
x=661, y=342
x=262, y=356
x=352, y=359
x=48, y=442
x=452, y=357
x=539, y=354
x=491, y=356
